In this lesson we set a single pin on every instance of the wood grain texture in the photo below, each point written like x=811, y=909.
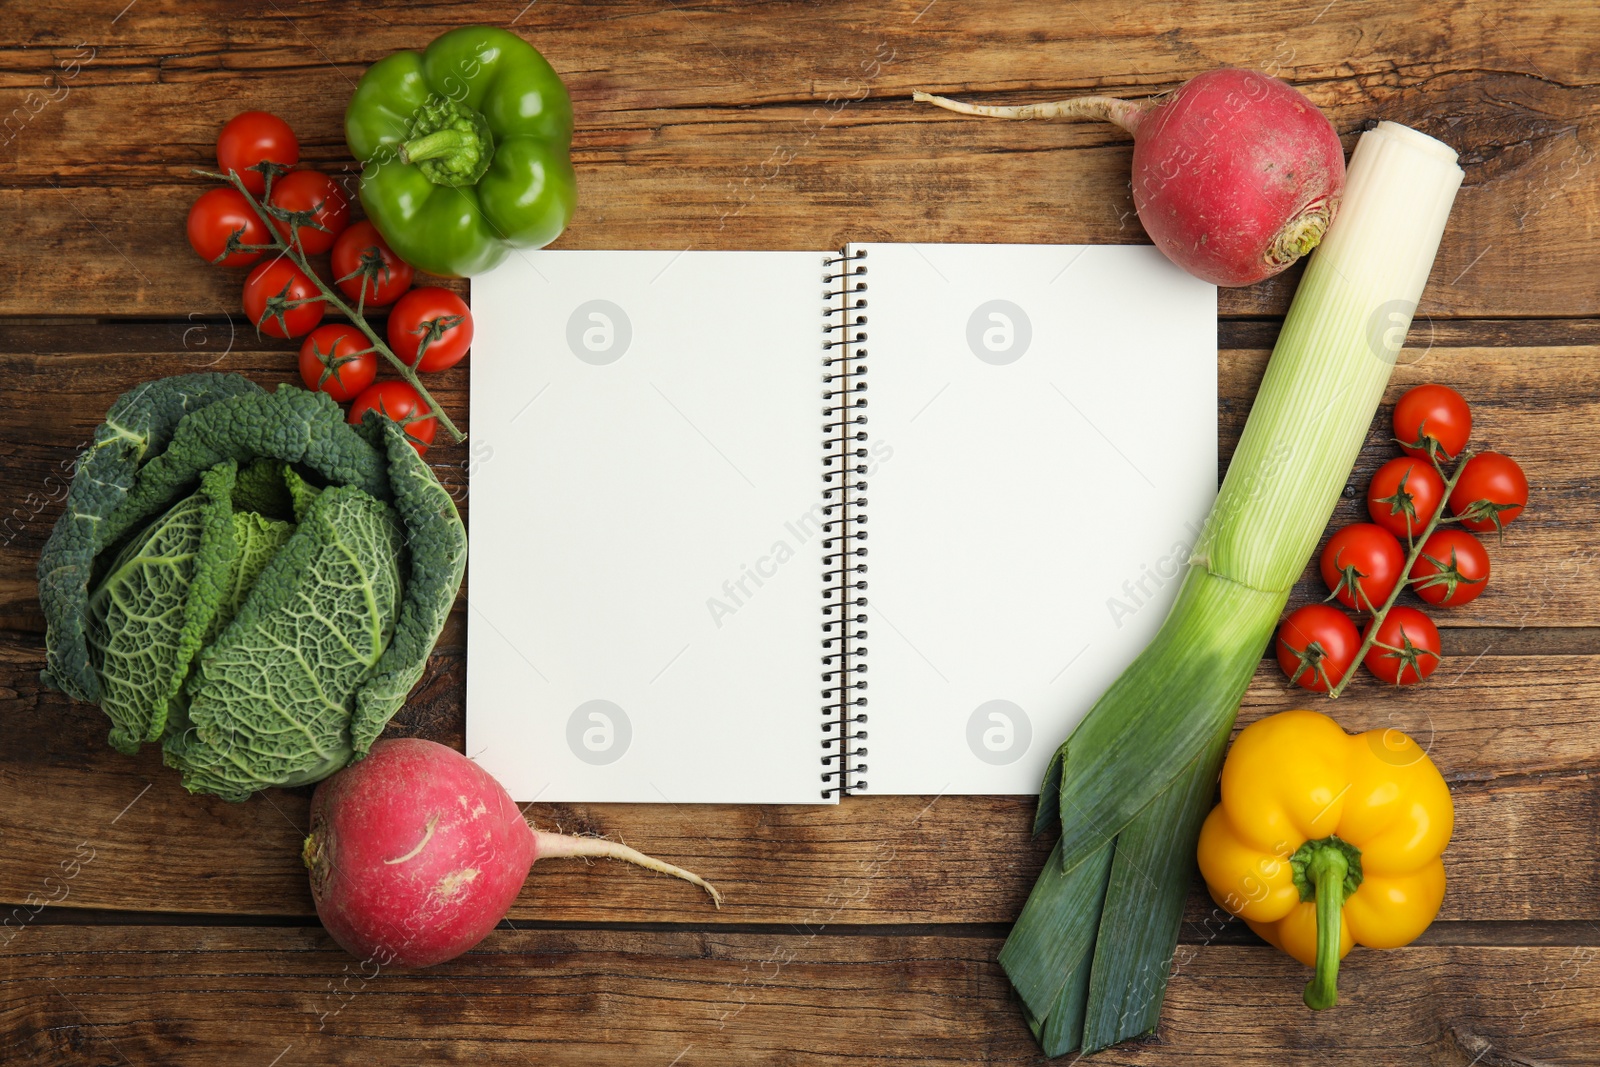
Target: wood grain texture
x=1534, y=402
x=1510, y=735
x=779, y=125
x=203, y=996
x=179, y=929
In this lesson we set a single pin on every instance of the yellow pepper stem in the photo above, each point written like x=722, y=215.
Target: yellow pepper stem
x=1326, y=869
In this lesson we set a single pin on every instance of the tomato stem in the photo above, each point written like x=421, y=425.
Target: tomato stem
x=1350, y=578
x=297, y=255
x=1415, y=546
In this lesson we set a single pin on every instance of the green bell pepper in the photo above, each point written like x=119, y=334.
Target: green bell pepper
x=465, y=150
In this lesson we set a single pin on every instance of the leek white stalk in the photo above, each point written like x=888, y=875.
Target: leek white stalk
x=1091, y=951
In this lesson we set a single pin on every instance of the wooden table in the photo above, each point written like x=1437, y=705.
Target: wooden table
x=181, y=929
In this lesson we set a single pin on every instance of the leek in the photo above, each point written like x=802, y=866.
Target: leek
x=1091, y=952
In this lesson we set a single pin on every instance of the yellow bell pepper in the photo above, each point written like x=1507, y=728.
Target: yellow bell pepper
x=1324, y=839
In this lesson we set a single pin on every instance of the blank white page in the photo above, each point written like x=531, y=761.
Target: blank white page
x=644, y=593
x=1043, y=427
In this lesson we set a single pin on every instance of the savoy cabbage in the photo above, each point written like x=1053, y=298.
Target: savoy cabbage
x=245, y=578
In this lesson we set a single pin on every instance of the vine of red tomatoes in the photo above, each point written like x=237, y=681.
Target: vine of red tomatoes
x=271, y=209
x=1418, y=539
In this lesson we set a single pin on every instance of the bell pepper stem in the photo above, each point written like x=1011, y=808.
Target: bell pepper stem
x=1327, y=871
x=432, y=145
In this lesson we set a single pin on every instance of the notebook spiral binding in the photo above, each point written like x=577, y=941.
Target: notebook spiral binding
x=844, y=518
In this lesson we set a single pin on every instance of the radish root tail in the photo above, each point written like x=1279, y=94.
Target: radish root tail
x=1124, y=113
x=558, y=845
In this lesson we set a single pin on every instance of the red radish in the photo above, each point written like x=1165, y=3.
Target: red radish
x=416, y=853
x=1235, y=175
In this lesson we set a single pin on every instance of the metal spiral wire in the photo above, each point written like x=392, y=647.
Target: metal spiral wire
x=844, y=510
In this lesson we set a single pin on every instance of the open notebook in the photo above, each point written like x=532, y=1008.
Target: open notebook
x=721, y=553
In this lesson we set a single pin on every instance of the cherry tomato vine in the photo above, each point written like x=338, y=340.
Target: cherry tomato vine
x=1367, y=567
x=282, y=232
x=1369, y=638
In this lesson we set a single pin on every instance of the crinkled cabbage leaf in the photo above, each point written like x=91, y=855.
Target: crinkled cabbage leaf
x=248, y=579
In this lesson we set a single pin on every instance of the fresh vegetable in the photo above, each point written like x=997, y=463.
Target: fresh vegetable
x=1452, y=569
x=1235, y=175
x=416, y=853
x=401, y=403
x=266, y=307
x=1324, y=840
x=254, y=145
x=1385, y=666
x=308, y=207
x=243, y=577
x=1445, y=566
x=1404, y=495
x=224, y=230
x=366, y=269
x=1317, y=646
x=465, y=149
x=337, y=360
x=430, y=328
x=1404, y=648
x=1091, y=951
x=1433, y=422
x=282, y=300
x=1490, y=493
x=1362, y=564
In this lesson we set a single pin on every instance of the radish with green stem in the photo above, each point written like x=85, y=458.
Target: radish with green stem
x=416, y=853
x=1235, y=174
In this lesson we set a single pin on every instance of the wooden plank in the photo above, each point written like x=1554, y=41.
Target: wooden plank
x=1010, y=47
x=794, y=129
x=41, y=334
x=1510, y=734
x=1539, y=404
x=180, y=996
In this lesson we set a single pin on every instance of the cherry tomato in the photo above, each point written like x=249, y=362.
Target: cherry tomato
x=1403, y=496
x=338, y=360
x=218, y=215
x=281, y=301
x=1406, y=649
x=434, y=322
x=1362, y=564
x=361, y=260
x=1317, y=645
x=1453, y=568
x=254, y=138
x=402, y=404
x=1432, y=419
x=1491, y=492
x=321, y=210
